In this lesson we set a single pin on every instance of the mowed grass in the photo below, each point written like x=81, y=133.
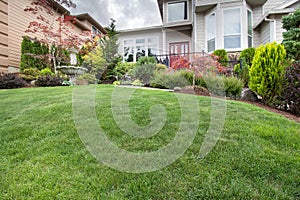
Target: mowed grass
x=42, y=156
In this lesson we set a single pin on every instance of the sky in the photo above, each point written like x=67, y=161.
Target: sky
x=127, y=13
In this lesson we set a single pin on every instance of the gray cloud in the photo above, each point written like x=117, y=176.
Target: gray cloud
x=127, y=13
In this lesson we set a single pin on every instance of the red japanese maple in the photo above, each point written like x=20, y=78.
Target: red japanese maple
x=56, y=29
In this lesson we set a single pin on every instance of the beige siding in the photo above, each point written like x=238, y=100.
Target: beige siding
x=200, y=31
x=18, y=21
x=265, y=33
x=279, y=29
x=3, y=36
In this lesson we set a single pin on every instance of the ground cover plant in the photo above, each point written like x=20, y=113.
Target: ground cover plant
x=42, y=156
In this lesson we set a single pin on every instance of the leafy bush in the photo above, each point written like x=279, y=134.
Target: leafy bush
x=222, y=56
x=144, y=72
x=161, y=67
x=137, y=83
x=246, y=58
x=267, y=71
x=30, y=74
x=291, y=89
x=90, y=78
x=222, y=85
x=46, y=71
x=233, y=86
x=188, y=75
x=146, y=60
x=10, y=81
x=168, y=80
x=49, y=81
x=124, y=67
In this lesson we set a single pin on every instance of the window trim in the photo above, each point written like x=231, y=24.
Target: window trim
x=206, y=37
x=146, y=45
x=248, y=35
x=187, y=11
x=234, y=34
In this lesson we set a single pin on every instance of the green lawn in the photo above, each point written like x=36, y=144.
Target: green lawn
x=42, y=156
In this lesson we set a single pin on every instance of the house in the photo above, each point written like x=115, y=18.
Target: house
x=14, y=22
x=206, y=25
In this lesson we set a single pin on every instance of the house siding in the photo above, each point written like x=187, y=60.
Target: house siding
x=18, y=21
x=3, y=36
x=265, y=33
x=200, y=32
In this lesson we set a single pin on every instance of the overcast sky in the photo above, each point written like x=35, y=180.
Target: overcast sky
x=127, y=13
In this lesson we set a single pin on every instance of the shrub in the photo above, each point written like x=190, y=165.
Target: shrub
x=146, y=60
x=291, y=89
x=90, y=78
x=242, y=73
x=267, y=71
x=291, y=36
x=247, y=55
x=10, y=81
x=222, y=56
x=30, y=74
x=233, y=86
x=137, y=83
x=46, y=71
x=168, y=80
x=124, y=67
x=144, y=72
x=49, y=81
x=161, y=67
x=222, y=85
x=188, y=75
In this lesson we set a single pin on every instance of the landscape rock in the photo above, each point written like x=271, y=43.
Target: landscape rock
x=248, y=95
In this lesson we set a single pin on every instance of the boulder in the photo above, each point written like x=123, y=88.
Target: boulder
x=248, y=95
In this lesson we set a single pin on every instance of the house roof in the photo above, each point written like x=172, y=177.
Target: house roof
x=58, y=7
x=281, y=9
x=88, y=17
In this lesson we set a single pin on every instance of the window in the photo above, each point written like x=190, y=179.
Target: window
x=136, y=48
x=177, y=11
x=211, y=32
x=232, y=28
x=250, y=29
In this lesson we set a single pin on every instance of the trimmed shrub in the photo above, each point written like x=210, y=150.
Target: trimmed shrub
x=144, y=72
x=30, y=74
x=233, y=86
x=169, y=80
x=49, y=81
x=188, y=75
x=161, y=67
x=267, y=71
x=46, y=71
x=146, y=60
x=222, y=56
x=124, y=67
x=10, y=81
x=291, y=89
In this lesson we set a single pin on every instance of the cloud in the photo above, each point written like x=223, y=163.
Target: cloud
x=128, y=14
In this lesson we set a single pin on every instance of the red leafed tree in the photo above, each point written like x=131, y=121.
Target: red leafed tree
x=56, y=29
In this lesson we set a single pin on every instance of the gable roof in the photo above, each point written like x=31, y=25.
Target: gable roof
x=88, y=17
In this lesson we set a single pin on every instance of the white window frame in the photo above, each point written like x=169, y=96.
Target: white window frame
x=135, y=44
x=187, y=11
x=235, y=34
x=206, y=36
x=251, y=28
